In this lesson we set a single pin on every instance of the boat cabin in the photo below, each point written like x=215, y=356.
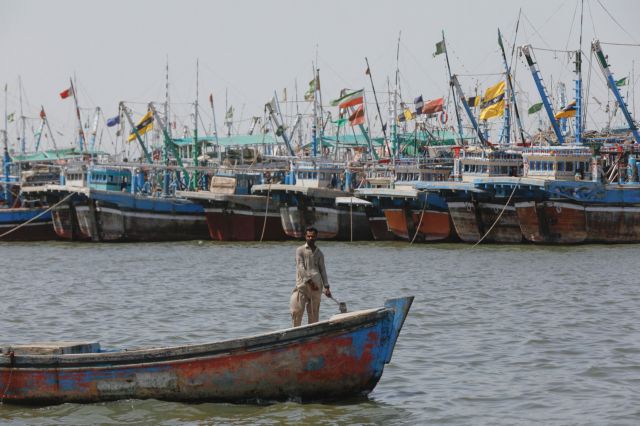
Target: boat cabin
x=473, y=164
x=567, y=163
x=311, y=174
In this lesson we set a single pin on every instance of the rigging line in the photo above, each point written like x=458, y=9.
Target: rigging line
x=621, y=44
x=480, y=75
x=573, y=20
x=38, y=215
x=614, y=20
x=501, y=212
x=553, y=50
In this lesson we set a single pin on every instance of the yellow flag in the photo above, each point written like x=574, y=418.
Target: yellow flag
x=567, y=112
x=144, y=125
x=493, y=102
x=408, y=115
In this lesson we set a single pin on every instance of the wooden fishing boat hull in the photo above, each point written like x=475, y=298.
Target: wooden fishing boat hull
x=506, y=229
x=612, y=223
x=112, y=216
x=332, y=223
x=342, y=357
x=40, y=229
x=233, y=224
x=65, y=223
x=379, y=228
x=432, y=225
x=464, y=216
x=398, y=222
x=552, y=222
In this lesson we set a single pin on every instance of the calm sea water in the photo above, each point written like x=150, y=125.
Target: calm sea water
x=496, y=335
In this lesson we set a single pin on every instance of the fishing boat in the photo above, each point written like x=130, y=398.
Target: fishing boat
x=233, y=213
x=313, y=195
x=330, y=360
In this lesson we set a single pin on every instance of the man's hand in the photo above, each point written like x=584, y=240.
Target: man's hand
x=327, y=291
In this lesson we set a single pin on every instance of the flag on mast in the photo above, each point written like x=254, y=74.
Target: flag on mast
x=66, y=93
x=493, y=102
x=144, y=125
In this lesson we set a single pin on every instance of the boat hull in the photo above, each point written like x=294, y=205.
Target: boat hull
x=40, y=229
x=125, y=217
x=332, y=223
x=243, y=225
x=552, y=222
x=330, y=360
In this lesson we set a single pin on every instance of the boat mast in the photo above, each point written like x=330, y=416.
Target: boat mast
x=578, y=129
x=196, y=146
x=537, y=78
x=81, y=137
x=314, y=140
x=215, y=126
x=451, y=84
x=394, y=125
x=455, y=84
x=604, y=67
x=94, y=131
x=6, y=159
x=375, y=97
x=23, y=124
x=512, y=93
x=135, y=131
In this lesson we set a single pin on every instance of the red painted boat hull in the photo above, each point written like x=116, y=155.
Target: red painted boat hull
x=342, y=357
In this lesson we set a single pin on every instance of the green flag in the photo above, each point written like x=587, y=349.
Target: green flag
x=440, y=48
x=621, y=82
x=535, y=108
x=340, y=122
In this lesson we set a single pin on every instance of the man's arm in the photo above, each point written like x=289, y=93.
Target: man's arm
x=323, y=273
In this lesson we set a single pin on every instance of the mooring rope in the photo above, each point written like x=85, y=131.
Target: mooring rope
x=501, y=212
x=424, y=207
x=37, y=216
x=266, y=213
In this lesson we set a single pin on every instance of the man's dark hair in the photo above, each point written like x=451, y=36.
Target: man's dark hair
x=311, y=229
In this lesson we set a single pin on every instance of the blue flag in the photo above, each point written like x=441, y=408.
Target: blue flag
x=113, y=121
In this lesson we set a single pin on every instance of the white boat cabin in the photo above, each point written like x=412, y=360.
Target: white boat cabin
x=317, y=174
x=474, y=164
x=567, y=163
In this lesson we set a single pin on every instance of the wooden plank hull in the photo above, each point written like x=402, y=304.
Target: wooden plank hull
x=243, y=225
x=65, y=223
x=552, y=222
x=612, y=224
x=380, y=230
x=506, y=229
x=432, y=225
x=465, y=220
x=332, y=223
x=329, y=360
x=110, y=216
x=398, y=222
x=40, y=229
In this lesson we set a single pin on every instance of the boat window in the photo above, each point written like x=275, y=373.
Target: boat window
x=561, y=166
x=569, y=166
x=466, y=167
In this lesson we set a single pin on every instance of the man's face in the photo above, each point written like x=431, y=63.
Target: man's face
x=310, y=236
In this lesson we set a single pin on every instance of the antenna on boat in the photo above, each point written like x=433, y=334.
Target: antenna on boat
x=511, y=91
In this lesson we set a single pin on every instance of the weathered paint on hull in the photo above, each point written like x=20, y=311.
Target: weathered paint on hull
x=613, y=224
x=552, y=222
x=332, y=223
x=380, y=230
x=329, y=360
x=505, y=230
x=114, y=224
x=239, y=225
x=465, y=220
x=432, y=225
x=397, y=222
x=41, y=229
x=65, y=223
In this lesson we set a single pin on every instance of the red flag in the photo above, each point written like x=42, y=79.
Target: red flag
x=42, y=114
x=433, y=106
x=357, y=117
x=66, y=93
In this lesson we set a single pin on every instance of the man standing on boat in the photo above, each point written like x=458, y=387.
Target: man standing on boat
x=311, y=280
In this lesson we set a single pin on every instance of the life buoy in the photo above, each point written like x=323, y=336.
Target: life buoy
x=444, y=117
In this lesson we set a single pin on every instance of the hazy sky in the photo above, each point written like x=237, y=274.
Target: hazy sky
x=117, y=50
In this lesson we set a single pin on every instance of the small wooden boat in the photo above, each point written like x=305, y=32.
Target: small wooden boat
x=329, y=360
